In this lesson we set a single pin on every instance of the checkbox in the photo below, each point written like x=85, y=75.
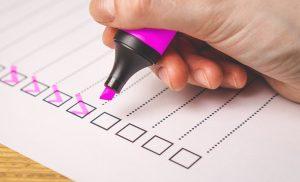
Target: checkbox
x=157, y=145
x=35, y=88
x=131, y=133
x=13, y=78
x=81, y=109
x=57, y=98
x=105, y=121
x=185, y=158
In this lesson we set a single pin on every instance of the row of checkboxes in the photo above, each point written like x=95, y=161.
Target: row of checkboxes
x=106, y=121
x=156, y=144
x=57, y=98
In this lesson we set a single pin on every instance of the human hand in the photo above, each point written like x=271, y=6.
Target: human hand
x=219, y=39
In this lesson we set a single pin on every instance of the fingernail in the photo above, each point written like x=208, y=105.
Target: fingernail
x=235, y=82
x=109, y=6
x=229, y=83
x=201, y=78
x=163, y=75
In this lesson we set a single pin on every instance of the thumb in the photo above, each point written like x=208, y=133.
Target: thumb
x=193, y=17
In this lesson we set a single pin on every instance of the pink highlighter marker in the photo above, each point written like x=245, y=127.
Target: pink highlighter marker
x=135, y=50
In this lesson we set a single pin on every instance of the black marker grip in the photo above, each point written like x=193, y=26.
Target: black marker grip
x=131, y=55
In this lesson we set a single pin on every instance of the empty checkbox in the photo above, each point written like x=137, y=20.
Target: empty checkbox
x=131, y=133
x=157, y=145
x=185, y=158
x=105, y=121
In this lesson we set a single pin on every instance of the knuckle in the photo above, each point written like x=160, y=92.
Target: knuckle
x=140, y=8
x=99, y=12
x=93, y=8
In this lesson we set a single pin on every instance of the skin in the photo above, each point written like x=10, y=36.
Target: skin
x=219, y=40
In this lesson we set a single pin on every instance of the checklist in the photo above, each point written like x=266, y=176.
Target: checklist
x=53, y=67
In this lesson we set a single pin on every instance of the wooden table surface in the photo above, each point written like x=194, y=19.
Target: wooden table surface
x=15, y=167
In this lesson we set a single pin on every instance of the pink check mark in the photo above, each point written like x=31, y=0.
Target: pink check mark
x=13, y=76
x=84, y=111
x=36, y=87
x=58, y=98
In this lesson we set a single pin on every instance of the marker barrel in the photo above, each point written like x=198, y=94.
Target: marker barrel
x=158, y=39
x=135, y=50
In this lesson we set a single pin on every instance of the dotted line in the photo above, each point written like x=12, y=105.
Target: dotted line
x=242, y=124
x=209, y=116
x=178, y=109
x=136, y=82
x=99, y=58
x=130, y=86
x=214, y=112
x=148, y=101
x=91, y=86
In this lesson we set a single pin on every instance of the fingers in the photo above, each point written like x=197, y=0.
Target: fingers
x=210, y=68
x=172, y=70
x=188, y=16
x=234, y=75
x=207, y=68
x=204, y=72
x=132, y=14
x=108, y=37
x=195, y=18
x=102, y=11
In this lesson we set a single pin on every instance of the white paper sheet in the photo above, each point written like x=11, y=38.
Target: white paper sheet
x=148, y=133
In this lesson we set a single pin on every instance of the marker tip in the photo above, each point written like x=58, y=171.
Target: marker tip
x=107, y=94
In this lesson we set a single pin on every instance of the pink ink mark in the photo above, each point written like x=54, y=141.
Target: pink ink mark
x=84, y=110
x=107, y=94
x=36, y=86
x=58, y=97
x=13, y=76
